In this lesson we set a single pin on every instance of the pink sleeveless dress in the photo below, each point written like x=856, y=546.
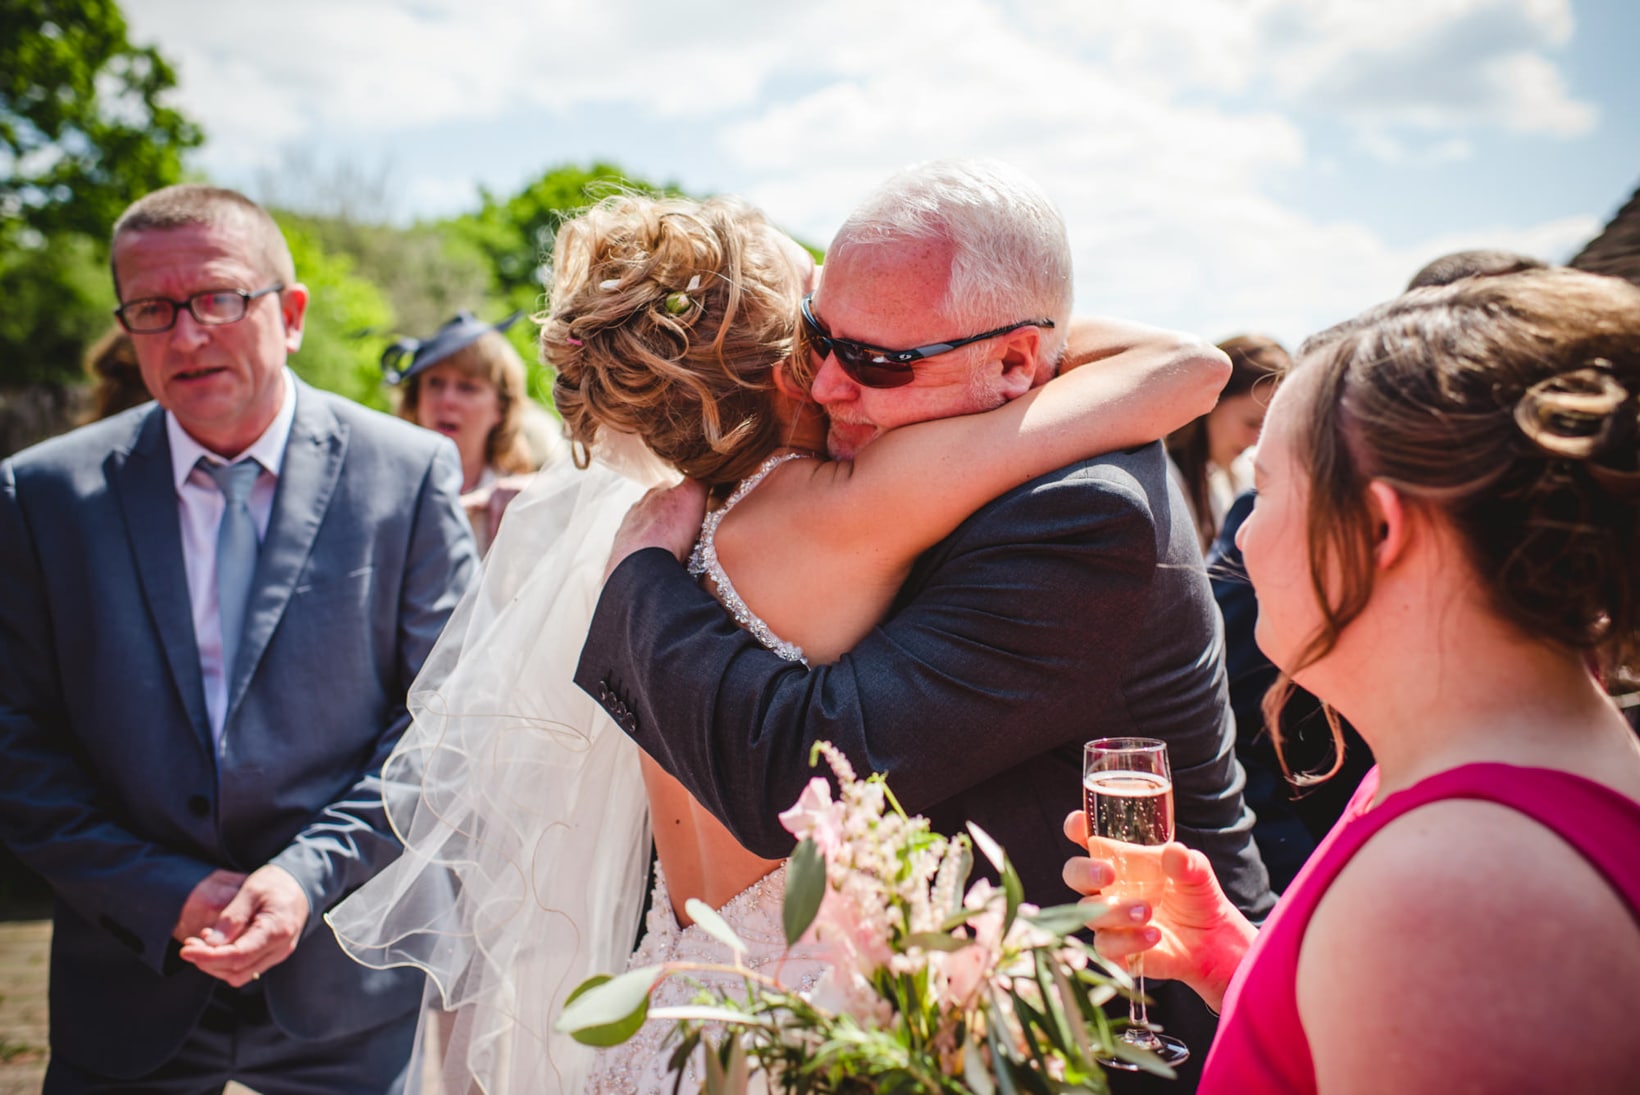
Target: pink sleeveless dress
x=1261, y=1046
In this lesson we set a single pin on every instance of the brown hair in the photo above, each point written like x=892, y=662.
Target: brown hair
x=1257, y=364
x=1510, y=405
x=490, y=358
x=667, y=319
x=1472, y=264
x=117, y=384
x=208, y=206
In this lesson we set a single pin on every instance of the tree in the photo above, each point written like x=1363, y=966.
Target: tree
x=516, y=234
x=82, y=118
x=84, y=131
x=347, y=325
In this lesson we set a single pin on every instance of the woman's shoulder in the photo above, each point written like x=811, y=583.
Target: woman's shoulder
x=1459, y=924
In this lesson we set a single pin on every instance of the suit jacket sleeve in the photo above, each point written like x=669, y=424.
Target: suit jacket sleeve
x=1013, y=638
x=53, y=814
x=350, y=839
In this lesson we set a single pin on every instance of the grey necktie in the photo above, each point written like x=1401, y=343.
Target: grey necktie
x=236, y=547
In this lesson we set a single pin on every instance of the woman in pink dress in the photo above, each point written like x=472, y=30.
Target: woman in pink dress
x=1445, y=541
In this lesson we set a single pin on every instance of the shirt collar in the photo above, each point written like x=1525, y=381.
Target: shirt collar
x=267, y=450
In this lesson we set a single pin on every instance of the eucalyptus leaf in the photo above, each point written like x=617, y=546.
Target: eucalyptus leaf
x=805, y=889
x=987, y=846
x=937, y=941
x=738, y=1076
x=999, y=1052
x=959, y=918
x=707, y=1013
x=1015, y=889
x=713, y=924
x=974, y=1072
x=1070, y=1000
x=716, y=1083
x=1065, y=919
x=606, y=1011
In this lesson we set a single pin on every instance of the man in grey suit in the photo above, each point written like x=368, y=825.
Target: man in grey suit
x=1073, y=608
x=210, y=612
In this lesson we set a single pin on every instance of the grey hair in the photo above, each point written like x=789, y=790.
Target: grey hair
x=1012, y=258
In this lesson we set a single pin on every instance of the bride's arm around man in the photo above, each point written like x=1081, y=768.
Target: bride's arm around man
x=1073, y=607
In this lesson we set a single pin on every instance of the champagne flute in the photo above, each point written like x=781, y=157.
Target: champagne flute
x=1127, y=790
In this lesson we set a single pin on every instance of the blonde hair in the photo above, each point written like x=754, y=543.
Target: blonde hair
x=490, y=358
x=667, y=320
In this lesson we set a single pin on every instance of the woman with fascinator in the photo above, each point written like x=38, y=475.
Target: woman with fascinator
x=527, y=815
x=467, y=382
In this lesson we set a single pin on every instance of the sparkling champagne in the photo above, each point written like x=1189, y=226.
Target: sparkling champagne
x=1135, y=808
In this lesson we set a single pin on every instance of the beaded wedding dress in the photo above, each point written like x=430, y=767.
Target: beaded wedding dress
x=524, y=818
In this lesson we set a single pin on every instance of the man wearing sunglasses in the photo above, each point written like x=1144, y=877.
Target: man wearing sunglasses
x=1073, y=608
x=211, y=609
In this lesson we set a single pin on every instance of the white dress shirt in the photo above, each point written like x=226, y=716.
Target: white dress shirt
x=199, y=508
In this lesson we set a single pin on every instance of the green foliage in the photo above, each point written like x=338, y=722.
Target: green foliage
x=516, y=234
x=1006, y=998
x=58, y=299
x=82, y=118
x=348, y=318
x=84, y=131
x=427, y=272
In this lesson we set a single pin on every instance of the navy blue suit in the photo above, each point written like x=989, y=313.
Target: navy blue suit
x=111, y=787
x=1072, y=608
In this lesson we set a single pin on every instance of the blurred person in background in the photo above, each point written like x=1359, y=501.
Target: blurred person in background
x=467, y=382
x=1209, y=454
x=116, y=378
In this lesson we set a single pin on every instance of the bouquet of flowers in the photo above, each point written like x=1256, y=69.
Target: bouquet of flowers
x=932, y=984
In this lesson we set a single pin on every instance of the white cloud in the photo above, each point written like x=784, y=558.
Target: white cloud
x=1166, y=131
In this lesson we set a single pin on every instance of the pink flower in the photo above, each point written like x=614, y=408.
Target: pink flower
x=814, y=815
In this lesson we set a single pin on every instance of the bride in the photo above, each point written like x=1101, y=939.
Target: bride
x=526, y=814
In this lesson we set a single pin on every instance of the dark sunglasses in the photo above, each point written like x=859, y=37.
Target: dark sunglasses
x=877, y=368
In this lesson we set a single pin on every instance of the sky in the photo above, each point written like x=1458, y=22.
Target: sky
x=1223, y=165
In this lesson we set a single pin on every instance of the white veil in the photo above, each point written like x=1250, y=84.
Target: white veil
x=520, y=804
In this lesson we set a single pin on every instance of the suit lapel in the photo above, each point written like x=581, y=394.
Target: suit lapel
x=142, y=481
x=313, y=463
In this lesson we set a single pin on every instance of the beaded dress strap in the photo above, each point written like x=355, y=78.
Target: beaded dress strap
x=704, y=560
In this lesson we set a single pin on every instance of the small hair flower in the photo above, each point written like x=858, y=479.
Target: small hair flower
x=680, y=302
x=609, y=285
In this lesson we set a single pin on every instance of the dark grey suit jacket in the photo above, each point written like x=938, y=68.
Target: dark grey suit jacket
x=1073, y=608
x=111, y=788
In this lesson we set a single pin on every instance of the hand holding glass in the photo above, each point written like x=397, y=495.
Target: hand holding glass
x=1127, y=790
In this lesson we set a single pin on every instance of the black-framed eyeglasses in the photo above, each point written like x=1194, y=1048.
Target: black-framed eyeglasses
x=875, y=367
x=151, y=315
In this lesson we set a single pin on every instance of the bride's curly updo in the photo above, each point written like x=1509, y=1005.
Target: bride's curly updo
x=666, y=320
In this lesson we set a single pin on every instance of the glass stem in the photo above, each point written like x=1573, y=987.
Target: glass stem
x=1138, y=1015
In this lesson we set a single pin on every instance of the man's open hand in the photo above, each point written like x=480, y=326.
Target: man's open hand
x=256, y=931
x=205, y=903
